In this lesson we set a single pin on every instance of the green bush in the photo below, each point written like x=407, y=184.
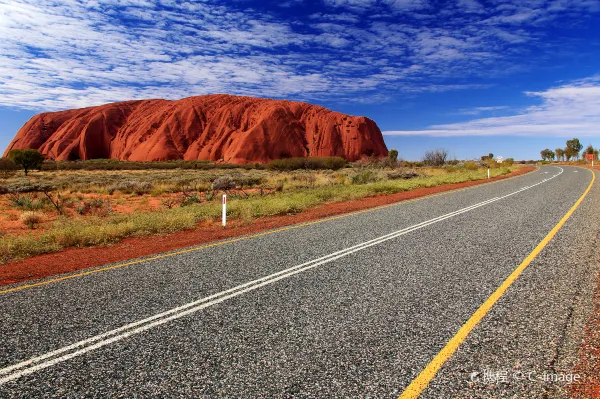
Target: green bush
x=131, y=186
x=286, y=164
x=27, y=159
x=470, y=165
x=364, y=177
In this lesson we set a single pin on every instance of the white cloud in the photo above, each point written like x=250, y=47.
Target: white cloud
x=57, y=54
x=480, y=110
x=565, y=111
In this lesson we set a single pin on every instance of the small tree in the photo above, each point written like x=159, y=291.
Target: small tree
x=436, y=157
x=575, y=146
x=559, y=154
x=27, y=159
x=7, y=168
x=568, y=153
x=589, y=149
x=392, y=158
x=547, y=154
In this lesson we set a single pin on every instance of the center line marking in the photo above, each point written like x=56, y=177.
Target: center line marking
x=34, y=364
x=420, y=383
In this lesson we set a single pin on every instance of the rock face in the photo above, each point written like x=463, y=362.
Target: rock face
x=219, y=128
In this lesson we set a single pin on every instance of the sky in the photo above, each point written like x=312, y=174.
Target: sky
x=511, y=77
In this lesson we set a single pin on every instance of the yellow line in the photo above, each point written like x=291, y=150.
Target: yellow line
x=417, y=386
x=242, y=238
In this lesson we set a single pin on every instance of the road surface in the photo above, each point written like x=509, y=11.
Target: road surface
x=355, y=306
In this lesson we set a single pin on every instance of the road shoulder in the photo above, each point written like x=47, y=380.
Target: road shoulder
x=72, y=260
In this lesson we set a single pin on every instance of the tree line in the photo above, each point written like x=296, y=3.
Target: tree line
x=571, y=151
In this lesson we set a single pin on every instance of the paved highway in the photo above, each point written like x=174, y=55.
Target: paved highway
x=355, y=306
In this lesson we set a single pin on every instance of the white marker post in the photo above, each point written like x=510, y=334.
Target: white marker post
x=488, y=173
x=224, y=216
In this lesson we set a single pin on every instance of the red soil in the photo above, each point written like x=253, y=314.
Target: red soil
x=219, y=127
x=81, y=258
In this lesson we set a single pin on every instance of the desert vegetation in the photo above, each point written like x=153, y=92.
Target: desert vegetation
x=78, y=204
x=571, y=152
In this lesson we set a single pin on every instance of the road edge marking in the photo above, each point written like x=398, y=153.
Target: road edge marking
x=418, y=385
x=40, y=362
x=244, y=237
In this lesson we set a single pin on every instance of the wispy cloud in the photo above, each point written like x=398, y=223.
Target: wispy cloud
x=57, y=54
x=481, y=110
x=564, y=111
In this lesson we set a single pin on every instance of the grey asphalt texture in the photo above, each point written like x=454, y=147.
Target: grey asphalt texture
x=361, y=326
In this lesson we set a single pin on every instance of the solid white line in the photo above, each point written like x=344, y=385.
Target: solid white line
x=222, y=293
x=40, y=362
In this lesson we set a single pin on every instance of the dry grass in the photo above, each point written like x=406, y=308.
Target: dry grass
x=94, y=217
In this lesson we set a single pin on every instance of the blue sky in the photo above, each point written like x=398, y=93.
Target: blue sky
x=505, y=76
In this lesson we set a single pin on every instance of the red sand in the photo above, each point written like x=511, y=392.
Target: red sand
x=219, y=127
x=81, y=258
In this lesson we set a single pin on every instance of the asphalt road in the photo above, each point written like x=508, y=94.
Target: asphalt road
x=351, y=307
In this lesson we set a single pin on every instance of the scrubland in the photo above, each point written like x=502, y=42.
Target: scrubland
x=63, y=207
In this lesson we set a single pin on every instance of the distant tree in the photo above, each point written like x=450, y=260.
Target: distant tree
x=568, y=153
x=392, y=157
x=547, y=154
x=575, y=147
x=436, y=157
x=27, y=159
x=589, y=149
x=7, y=168
x=559, y=154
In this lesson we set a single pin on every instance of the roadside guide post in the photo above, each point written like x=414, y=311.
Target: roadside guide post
x=224, y=215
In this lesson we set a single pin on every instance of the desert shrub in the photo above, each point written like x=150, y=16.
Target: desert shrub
x=96, y=206
x=312, y=163
x=509, y=161
x=82, y=208
x=27, y=159
x=27, y=202
x=190, y=199
x=364, y=177
x=7, y=168
x=435, y=157
x=407, y=174
x=309, y=179
x=130, y=187
x=114, y=164
x=248, y=181
x=31, y=219
x=470, y=165
x=450, y=168
x=224, y=183
x=170, y=203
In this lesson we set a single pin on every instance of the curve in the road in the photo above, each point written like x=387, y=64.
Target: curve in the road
x=420, y=383
x=51, y=358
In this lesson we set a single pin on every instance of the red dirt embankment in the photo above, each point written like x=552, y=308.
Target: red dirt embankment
x=219, y=128
x=81, y=258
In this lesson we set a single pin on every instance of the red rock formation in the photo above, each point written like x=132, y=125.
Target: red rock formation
x=217, y=127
